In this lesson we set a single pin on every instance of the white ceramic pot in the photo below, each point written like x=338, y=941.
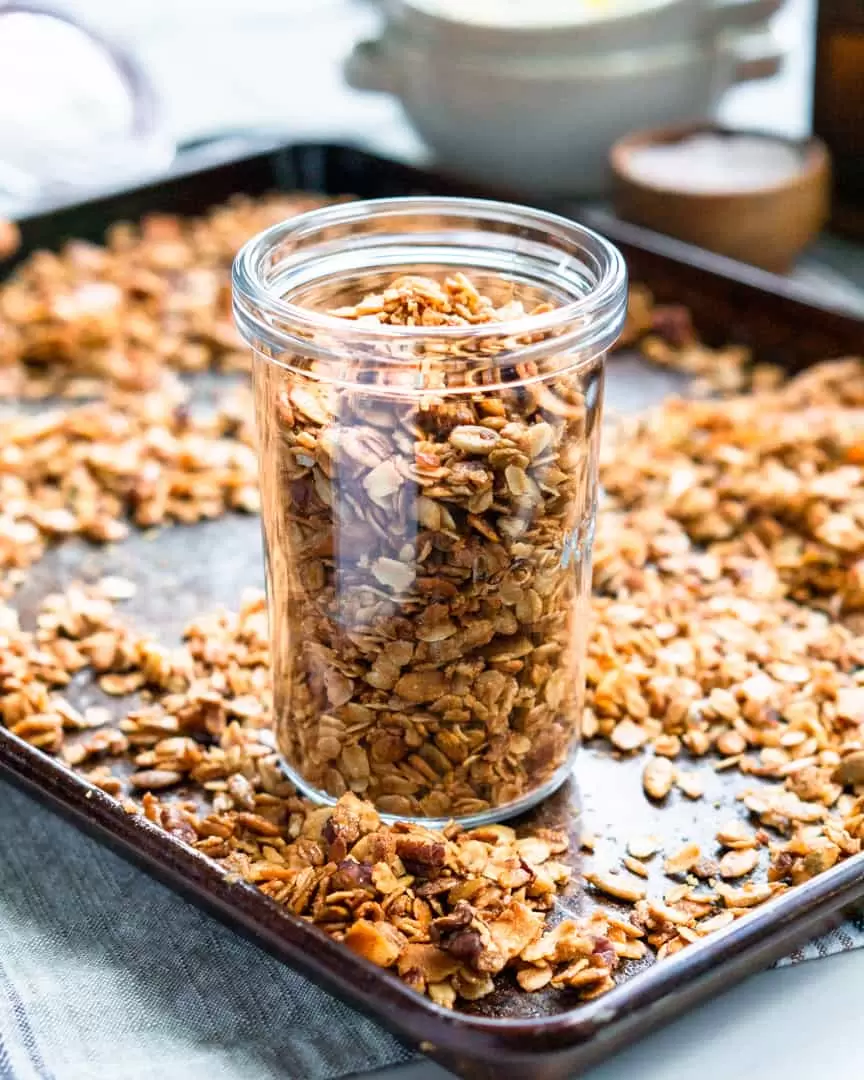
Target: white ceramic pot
x=542, y=120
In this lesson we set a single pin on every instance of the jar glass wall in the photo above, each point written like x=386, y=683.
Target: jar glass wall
x=429, y=382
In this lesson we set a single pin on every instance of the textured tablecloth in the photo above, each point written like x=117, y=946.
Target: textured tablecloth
x=106, y=974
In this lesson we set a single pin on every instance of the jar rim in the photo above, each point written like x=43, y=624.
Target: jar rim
x=597, y=310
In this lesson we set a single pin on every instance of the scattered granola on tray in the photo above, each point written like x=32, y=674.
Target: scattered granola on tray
x=728, y=621
x=156, y=296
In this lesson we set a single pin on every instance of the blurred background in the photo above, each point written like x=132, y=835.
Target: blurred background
x=229, y=64
x=531, y=93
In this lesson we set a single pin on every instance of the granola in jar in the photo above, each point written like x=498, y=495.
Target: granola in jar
x=428, y=453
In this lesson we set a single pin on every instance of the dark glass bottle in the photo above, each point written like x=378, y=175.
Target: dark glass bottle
x=838, y=105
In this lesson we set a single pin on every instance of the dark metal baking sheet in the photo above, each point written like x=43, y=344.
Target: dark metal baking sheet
x=189, y=569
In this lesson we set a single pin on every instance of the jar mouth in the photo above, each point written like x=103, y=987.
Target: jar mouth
x=586, y=270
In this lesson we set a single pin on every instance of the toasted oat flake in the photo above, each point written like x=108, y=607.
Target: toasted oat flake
x=682, y=861
x=621, y=886
x=692, y=784
x=643, y=847
x=658, y=777
x=736, y=864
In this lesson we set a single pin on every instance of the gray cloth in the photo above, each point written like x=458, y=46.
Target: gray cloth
x=106, y=974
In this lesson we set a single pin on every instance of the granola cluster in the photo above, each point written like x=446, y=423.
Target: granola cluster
x=425, y=576
x=447, y=910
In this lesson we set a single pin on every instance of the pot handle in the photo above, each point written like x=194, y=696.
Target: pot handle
x=366, y=68
x=755, y=56
x=732, y=14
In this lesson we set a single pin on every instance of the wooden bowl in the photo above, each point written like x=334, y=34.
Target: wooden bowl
x=766, y=226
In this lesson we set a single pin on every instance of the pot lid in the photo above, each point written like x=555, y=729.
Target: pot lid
x=516, y=17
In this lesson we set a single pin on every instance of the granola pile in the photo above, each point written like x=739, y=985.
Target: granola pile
x=140, y=458
x=728, y=626
x=427, y=588
x=156, y=296
x=447, y=910
x=727, y=634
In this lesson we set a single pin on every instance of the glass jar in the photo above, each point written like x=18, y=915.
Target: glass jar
x=429, y=495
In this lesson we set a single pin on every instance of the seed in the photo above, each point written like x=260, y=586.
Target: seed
x=155, y=779
x=472, y=439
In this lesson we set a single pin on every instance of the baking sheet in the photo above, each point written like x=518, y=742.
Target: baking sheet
x=183, y=571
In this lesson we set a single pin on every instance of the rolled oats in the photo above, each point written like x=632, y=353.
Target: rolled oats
x=682, y=861
x=643, y=847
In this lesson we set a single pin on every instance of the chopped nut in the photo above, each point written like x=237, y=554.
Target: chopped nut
x=380, y=943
